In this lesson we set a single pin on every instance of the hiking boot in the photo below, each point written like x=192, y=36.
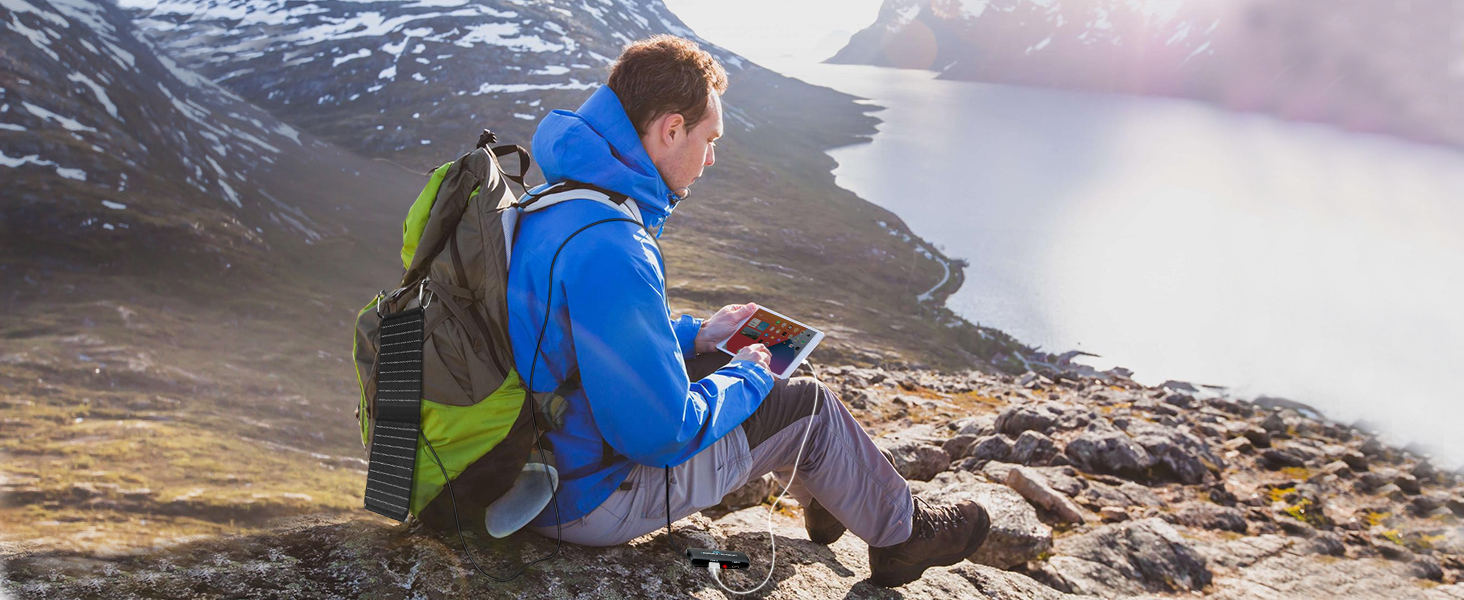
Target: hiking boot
x=823, y=527
x=939, y=536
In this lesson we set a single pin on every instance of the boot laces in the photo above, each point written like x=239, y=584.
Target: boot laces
x=930, y=520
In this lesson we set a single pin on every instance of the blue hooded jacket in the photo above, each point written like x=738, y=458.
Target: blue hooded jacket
x=609, y=317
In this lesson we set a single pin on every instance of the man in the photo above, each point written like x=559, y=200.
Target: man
x=654, y=391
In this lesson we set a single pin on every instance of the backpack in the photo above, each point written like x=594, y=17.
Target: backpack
x=475, y=413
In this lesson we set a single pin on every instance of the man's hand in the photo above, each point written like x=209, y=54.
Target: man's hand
x=756, y=353
x=722, y=325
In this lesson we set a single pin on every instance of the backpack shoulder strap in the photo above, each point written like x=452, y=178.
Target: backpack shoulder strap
x=578, y=190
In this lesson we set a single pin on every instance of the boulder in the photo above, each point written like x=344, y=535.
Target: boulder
x=1183, y=456
x=1408, y=483
x=1016, y=535
x=1105, y=449
x=1033, y=448
x=957, y=447
x=751, y=493
x=996, y=447
x=1275, y=424
x=1276, y=459
x=1258, y=436
x=1204, y=515
x=1042, y=417
x=1354, y=459
x=1119, y=493
x=1032, y=487
x=918, y=460
x=1130, y=558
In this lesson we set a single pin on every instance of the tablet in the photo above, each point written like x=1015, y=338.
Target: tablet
x=787, y=340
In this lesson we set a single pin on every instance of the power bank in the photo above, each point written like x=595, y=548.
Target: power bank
x=726, y=558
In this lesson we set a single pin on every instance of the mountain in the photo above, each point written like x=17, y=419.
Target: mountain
x=1381, y=67
x=412, y=81
x=116, y=160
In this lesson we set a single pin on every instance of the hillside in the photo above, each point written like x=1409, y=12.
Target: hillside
x=1098, y=487
x=1375, y=67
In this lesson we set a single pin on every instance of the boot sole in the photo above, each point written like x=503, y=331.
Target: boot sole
x=898, y=576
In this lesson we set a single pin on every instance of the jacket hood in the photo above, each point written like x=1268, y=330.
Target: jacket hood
x=597, y=144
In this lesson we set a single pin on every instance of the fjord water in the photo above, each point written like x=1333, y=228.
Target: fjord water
x=1185, y=242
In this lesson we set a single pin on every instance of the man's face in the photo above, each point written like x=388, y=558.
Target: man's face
x=681, y=155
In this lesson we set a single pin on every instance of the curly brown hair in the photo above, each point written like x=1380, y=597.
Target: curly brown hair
x=665, y=74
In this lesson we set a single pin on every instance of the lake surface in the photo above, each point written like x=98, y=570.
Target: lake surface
x=1185, y=242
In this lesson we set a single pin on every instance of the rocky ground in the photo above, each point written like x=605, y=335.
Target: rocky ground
x=1098, y=487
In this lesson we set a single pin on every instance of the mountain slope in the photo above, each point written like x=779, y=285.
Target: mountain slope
x=411, y=82
x=1392, y=68
x=117, y=158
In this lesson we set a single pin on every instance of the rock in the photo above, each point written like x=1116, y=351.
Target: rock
x=1424, y=506
x=1258, y=436
x=1424, y=471
x=1031, y=487
x=996, y=447
x=1456, y=505
x=1130, y=558
x=1275, y=459
x=1328, y=544
x=865, y=399
x=1240, y=444
x=957, y=446
x=1408, y=483
x=993, y=584
x=1033, y=448
x=1211, y=516
x=1391, y=490
x=1428, y=567
x=1180, y=400
x=918, y=460
x=979, y=426
x=1275, y=424
x=1063, y=479
x=1113, y=514
x=1354, y=459
x=1372, y=448
x=1043, y=417
x=1016, y=535
x=751, y=493
x=997, y=471
x=1121, y=494
x=1185, y=457
x=1372, y=480
x=1105, y=449
x=1336, y=467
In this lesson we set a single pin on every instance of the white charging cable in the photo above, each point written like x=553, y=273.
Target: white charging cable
x=772, y=540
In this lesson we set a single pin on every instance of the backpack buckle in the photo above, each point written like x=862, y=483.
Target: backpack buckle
x=423, y=292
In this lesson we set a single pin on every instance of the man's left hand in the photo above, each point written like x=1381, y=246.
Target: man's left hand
x=722, y=325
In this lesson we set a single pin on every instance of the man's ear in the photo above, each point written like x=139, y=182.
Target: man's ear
x=675, y=123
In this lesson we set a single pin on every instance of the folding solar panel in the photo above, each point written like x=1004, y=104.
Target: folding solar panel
x=398, y=415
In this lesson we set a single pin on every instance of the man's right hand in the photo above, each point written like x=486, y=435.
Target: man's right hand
x=756, y=353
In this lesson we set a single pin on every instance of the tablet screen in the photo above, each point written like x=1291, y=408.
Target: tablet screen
x=784, y=338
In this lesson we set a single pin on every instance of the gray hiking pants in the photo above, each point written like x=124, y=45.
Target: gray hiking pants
x=841, y=467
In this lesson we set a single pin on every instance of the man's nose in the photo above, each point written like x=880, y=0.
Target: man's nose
x=711, y=156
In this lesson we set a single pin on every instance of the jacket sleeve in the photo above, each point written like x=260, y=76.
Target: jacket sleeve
x=630, y=356
x=686, y=328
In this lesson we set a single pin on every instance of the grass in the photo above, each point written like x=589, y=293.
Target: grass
x=115, y=443
x=1296, y=473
